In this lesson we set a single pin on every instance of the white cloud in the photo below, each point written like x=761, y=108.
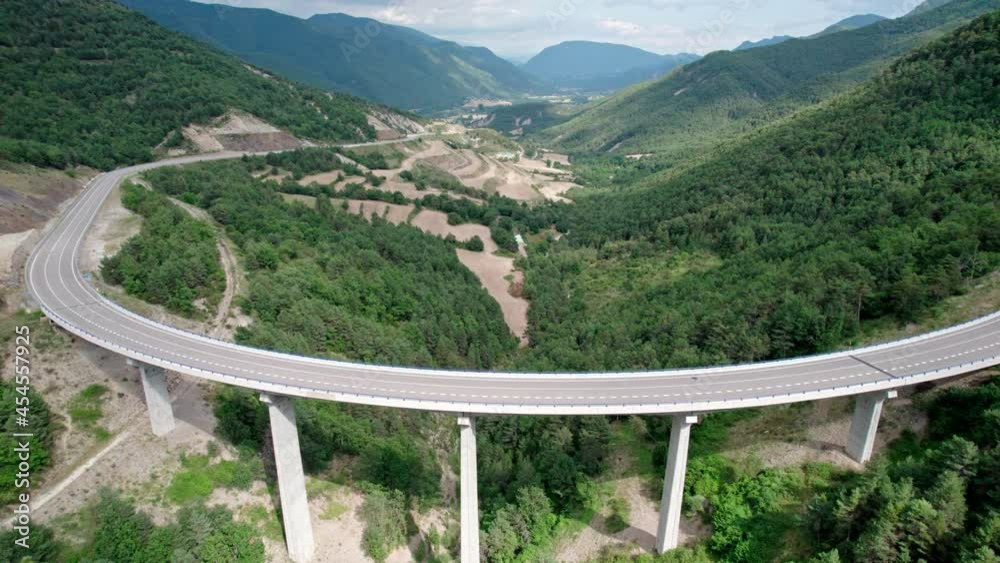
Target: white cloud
x=620, y=27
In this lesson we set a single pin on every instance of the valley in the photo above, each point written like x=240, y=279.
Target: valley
x=407, y=300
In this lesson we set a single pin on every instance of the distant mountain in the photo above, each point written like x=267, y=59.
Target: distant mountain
x=846, y=24
x=587, y=65
x=391, y=64
x=746, y=45
x=853, y=22
x=732, y=93
x=91, y=82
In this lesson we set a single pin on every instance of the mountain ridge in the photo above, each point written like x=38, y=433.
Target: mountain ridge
x=729, y=93
x=390, y=64
x=846, y=24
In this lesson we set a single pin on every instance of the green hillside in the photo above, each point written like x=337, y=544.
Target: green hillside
x=853, y=22
x=90, y=82
x=391, y=64
x=730, y=93
x=846, y=24
x=876, y=205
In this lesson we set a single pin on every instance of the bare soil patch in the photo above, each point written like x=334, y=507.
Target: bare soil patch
x=239, y=131
x=539, y=166
x=322, y=178
x=436, y=223
x=29, y=196
x=643, y=518
x=492, y=271
x=112, y=227
x=554, y=191
x=9, y=244
x=395, y=214
x=556, y=157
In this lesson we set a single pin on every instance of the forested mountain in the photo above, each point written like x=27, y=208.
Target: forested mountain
x=91, y=82
x=846, y=24
x=391, y=64
x=875, y=205
x=747, y=45
x=853, y=22
x=729, y=93
x=928, y=5
x=591, y=66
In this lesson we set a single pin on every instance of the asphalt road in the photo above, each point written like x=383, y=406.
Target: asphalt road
x=55, y=282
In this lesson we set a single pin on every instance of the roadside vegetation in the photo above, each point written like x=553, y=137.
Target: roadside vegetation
x=174, y=260
x=113, y=530
x=86, y=410
x=42, y=424
x=201, y=474
x=39, y=427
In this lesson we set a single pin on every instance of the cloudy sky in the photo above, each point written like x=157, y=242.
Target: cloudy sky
x=520, y=28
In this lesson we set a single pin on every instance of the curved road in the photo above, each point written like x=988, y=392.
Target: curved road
x=56, y=284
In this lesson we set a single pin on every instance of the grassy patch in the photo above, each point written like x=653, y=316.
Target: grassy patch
x=378, y=157
x=333, y=511
x=86, y=410
x=634, y=438
x=265, y=520
x=425, y=176
x=618, y=520
x=44, y=336
x=623, y=268
x=200, y=475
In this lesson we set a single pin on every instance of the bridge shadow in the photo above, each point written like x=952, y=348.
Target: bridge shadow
x=185, y=393
x=824, y=446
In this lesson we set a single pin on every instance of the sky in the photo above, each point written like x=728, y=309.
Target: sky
x=518, y=29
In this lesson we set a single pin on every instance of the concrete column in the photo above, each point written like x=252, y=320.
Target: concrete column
x=469, y=541
x=154, y=385
x=867, y=411
x=291, y=479
x=668, y=531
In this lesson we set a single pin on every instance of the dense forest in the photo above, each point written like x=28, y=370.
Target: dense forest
x=324, y=282
x=875, y=205
x=173, y=261
x=936, y=500
x=91, y=82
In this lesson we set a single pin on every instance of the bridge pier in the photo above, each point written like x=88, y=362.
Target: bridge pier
x=469, y=540
x=154, y=386
x=291, y=479
x=864, y=425
x=668, y=530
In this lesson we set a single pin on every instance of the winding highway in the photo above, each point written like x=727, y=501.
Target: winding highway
x=56, y=284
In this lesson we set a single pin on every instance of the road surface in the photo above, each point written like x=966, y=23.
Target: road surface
x=55, y=282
